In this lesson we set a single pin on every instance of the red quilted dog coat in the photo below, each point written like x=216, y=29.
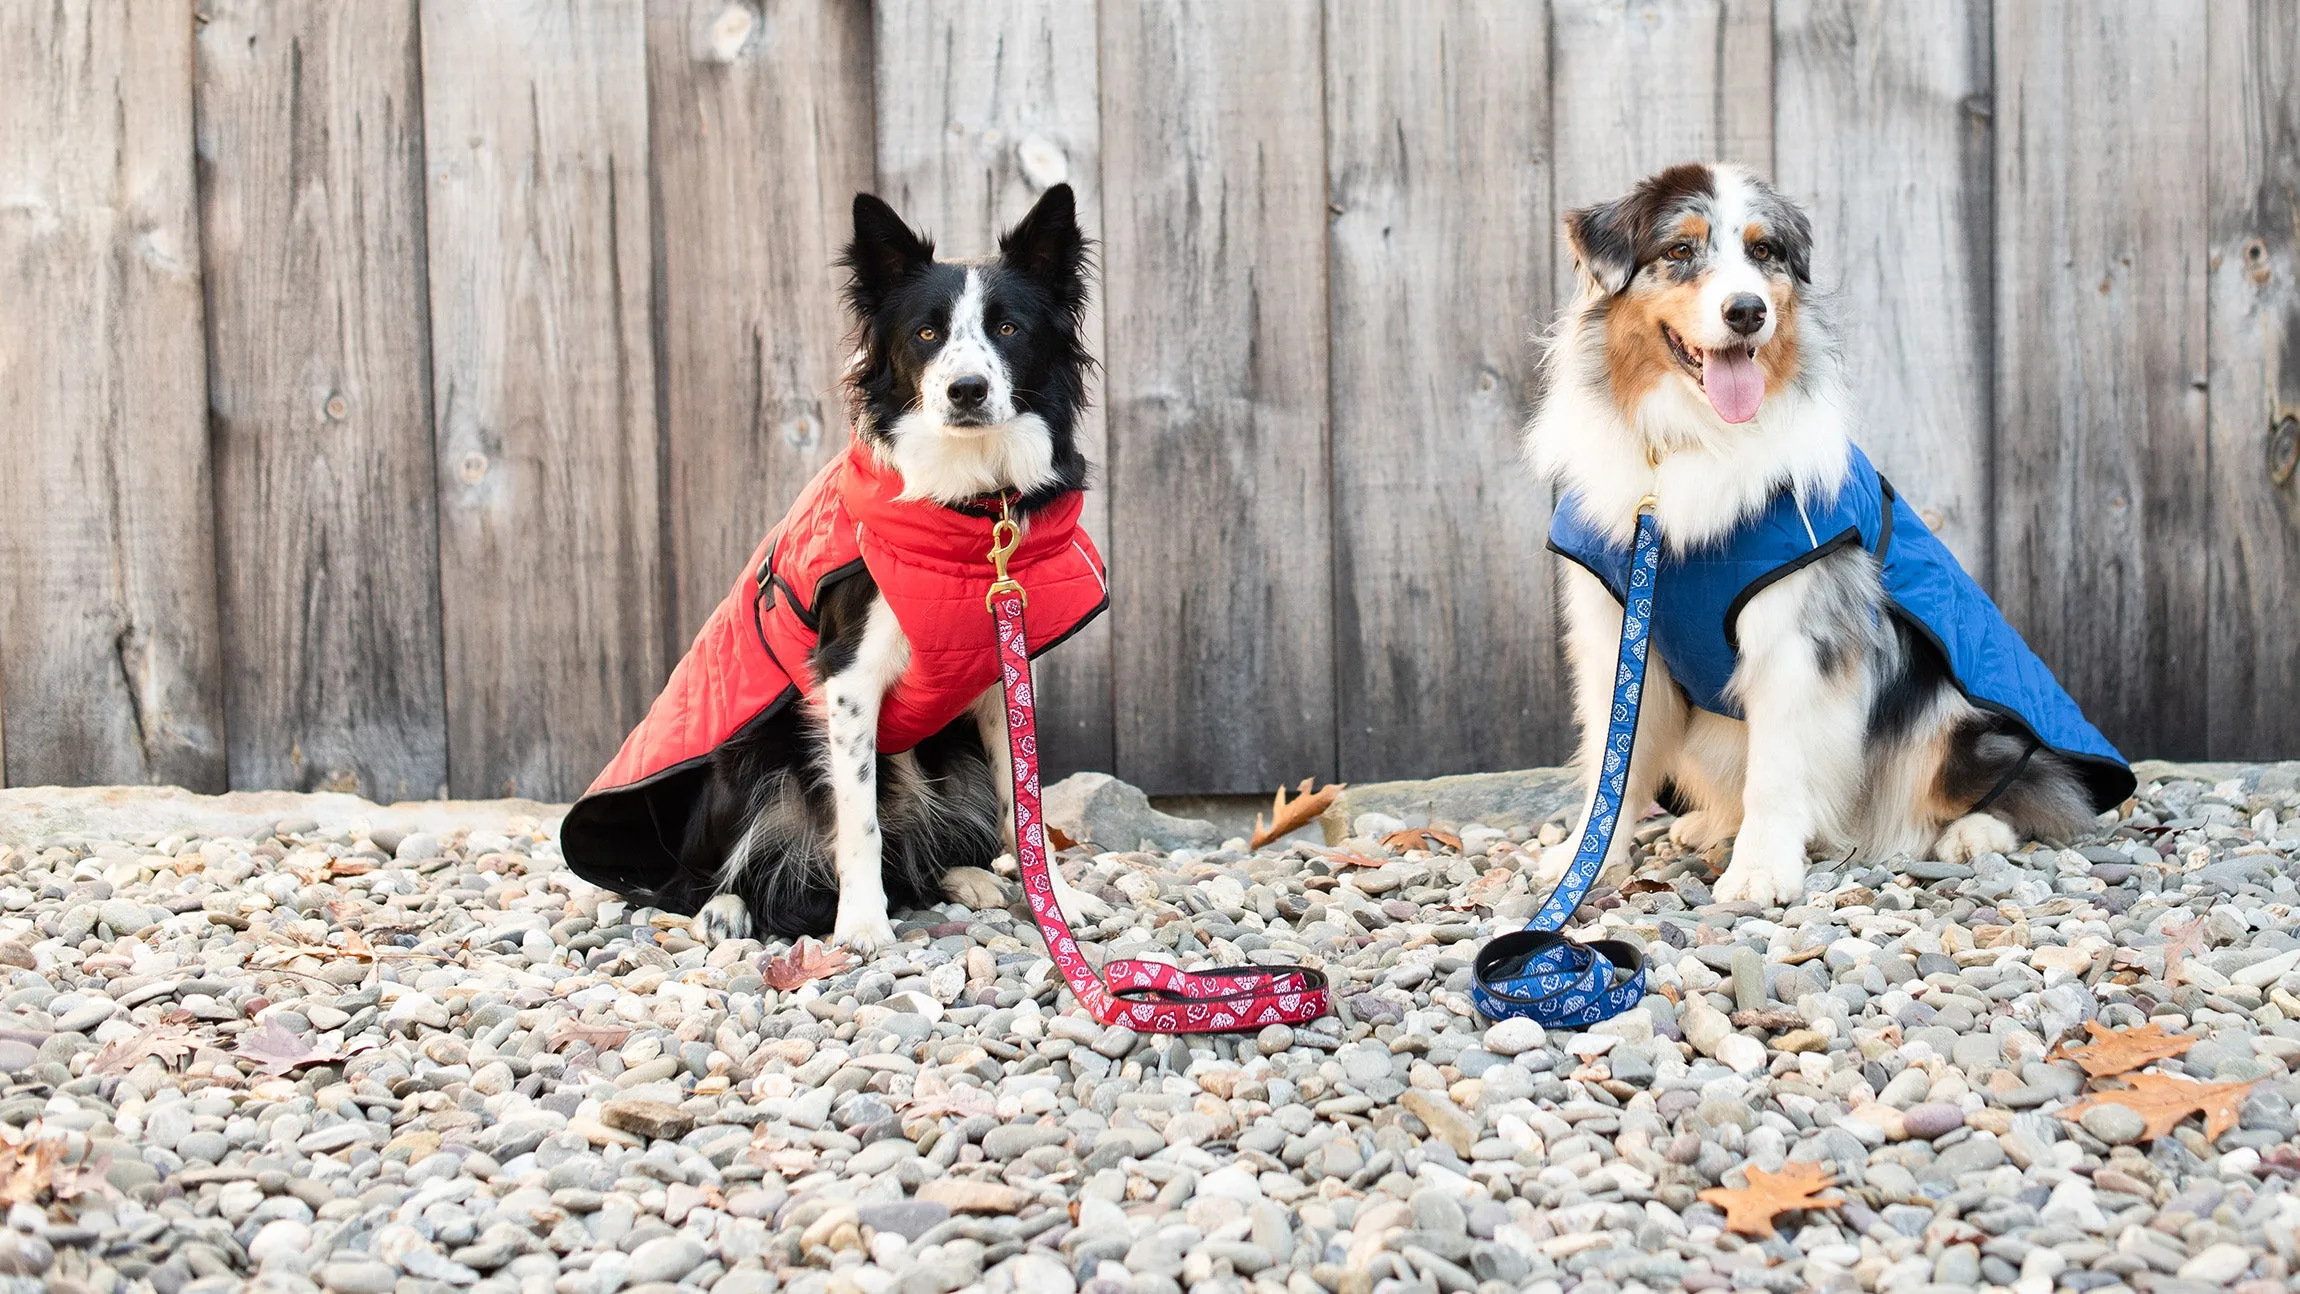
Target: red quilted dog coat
x=931, y=562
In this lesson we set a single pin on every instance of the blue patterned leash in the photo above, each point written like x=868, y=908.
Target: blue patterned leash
x=1537, y=972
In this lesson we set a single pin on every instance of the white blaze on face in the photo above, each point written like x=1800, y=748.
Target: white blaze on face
x=1729, y=373
x=967, y=353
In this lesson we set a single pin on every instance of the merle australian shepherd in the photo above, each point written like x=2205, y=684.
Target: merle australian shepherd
x=967, y=378
x=1696, y=364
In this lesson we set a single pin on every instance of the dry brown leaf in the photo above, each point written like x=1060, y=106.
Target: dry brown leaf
x=33, y=1166
x=1058, y=839
x=1751, y=1209
x=277, y=1049
x=774, y=1153
x=2118, y=1051
x=2184, y=940
x=805, y=962
x=932, y=1098
x=168, y=1041
x=1288, y=816
x=1421, y=838
x=600, y=1035
x=2162, y=1101
x=1488, y=889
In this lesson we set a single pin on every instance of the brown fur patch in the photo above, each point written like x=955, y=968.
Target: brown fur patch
x=1779, y=359
x=1636, y=358
x=1695, y=228
x=1752, y=233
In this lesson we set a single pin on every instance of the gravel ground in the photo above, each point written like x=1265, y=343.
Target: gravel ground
x=497, y=1078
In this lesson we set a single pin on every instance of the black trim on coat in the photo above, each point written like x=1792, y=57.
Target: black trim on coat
x=1850, y=536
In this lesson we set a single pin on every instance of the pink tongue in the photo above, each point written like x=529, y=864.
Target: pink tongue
x=1733, y=384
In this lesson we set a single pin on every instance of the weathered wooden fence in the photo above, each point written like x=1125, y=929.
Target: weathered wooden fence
x=392, y=387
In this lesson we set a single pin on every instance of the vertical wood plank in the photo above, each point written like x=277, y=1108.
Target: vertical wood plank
x=1640, y=84
x=535, y=120
x=2254, y=328
x=311, y=152
x=2103, y=480
x=109, y=648
x=1437, y=143
x=981, y=108
x=1885, y=137
x=760, y=117
x=1213, y=148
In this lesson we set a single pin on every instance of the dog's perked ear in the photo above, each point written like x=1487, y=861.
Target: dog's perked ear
x=1604, y=242
x=883, y=253
x=1047, y=245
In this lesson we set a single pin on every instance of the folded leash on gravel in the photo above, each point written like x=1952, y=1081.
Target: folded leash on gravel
x=1149, y=997
x=1538, y=973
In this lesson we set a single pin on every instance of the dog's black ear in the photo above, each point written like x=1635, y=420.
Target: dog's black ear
x=1795, y=233
x=1047, y=245
x=1604, y=243
x=883, y=253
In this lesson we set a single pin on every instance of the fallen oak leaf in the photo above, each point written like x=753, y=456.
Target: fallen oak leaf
x=1289, y=816
x=2162, y=1101
x=1058, y=838
x=2183, y=940
x=2117, y=1051
x=806, y=962
x=1751, y=1209
x=167, y=1042
x=1421, y=838
x=277, y=1049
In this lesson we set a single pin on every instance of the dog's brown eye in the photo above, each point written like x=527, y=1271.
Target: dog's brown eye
x=1680, y=252
x=1006, y=329
x=1760, y=251
x=927, y=334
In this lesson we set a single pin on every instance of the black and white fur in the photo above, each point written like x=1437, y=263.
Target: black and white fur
x=1856, y=736
x=968, y=379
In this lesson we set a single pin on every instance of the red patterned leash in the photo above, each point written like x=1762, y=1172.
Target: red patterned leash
x=1149, y=997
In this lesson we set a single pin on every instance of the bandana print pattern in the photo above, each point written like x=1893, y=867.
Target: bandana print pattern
x=1150, y=997
x=1538, y=972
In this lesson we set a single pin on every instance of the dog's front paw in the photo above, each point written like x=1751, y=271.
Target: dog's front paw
x=1077, y=909
x=1768, y=877
x=1702, y=830
x=866, y=934
x=1973, y=835
x=974, y=888
x=723, y=918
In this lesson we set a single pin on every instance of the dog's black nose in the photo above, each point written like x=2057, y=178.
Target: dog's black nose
x=969, y=392
x=1745, y=312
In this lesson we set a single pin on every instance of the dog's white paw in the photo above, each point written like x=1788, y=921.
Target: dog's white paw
x=1768, y=877
x=1703, y=830
x=973, y=887
x=1553, y=864
x=1558, y=859
x=723, y=918
x=866, y=934
x=1077, y=909
x=1973, y=835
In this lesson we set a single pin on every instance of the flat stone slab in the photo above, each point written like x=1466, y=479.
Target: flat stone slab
x=1525, y=797
x=34, y=813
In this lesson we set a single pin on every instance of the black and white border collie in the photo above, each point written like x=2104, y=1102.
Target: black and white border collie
x=1696, y=365
x=968, y=378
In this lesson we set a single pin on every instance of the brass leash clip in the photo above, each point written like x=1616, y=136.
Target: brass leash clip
x=1005, y=537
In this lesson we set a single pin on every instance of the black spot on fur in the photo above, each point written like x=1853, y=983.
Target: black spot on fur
x=1613, y=240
